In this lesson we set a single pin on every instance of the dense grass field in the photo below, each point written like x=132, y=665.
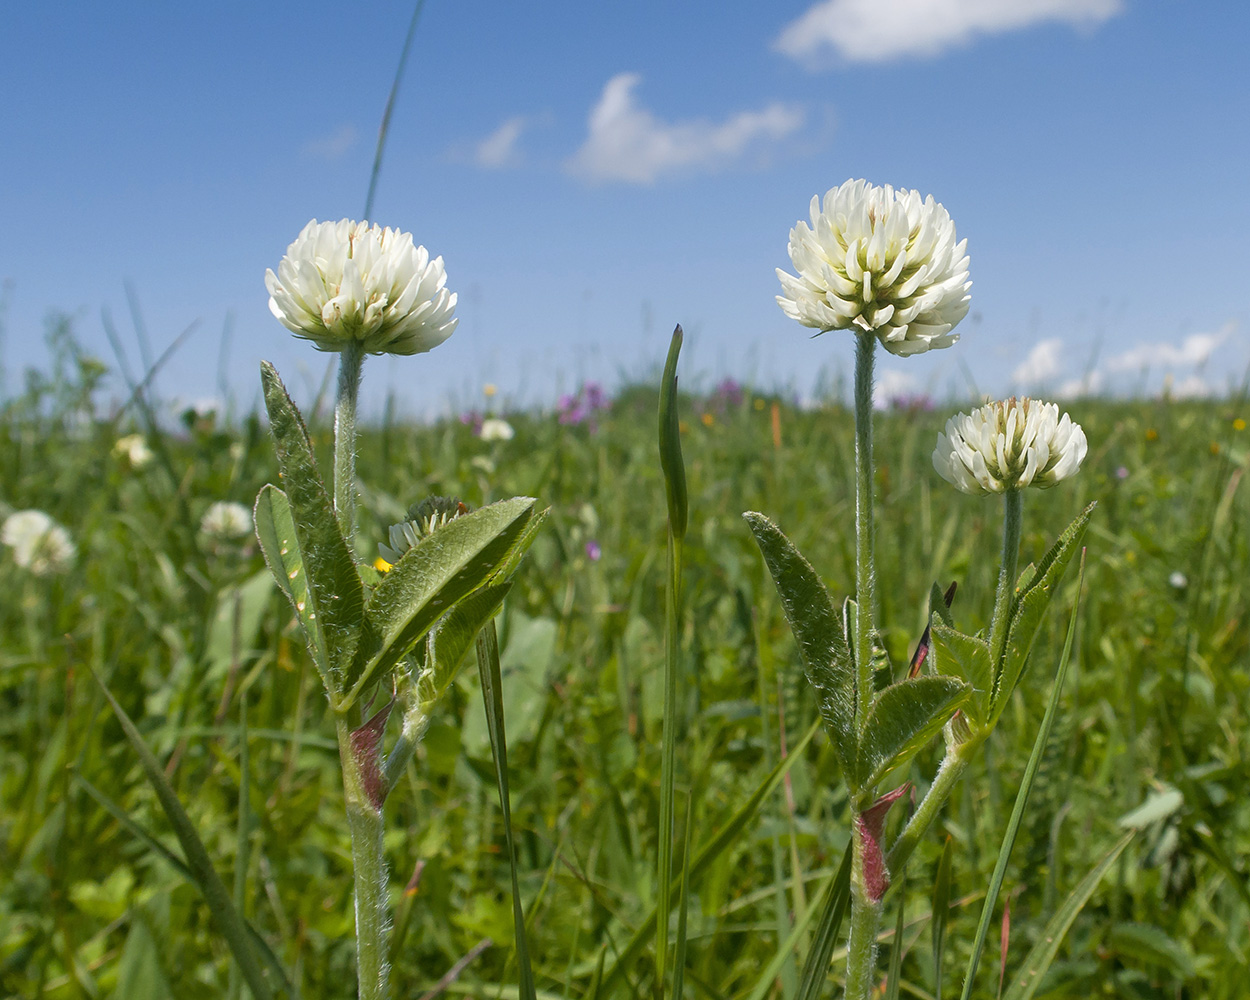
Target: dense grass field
x=192, y=637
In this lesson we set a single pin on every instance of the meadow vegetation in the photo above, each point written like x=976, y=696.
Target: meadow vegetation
x=200, y=648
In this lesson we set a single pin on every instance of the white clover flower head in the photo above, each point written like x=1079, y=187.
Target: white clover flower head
x=496, y=429
x=39, y=544
x=226, y=521
x=1009, y=445
x=349, y=281
x=134, y=449
x=423, y=519
x=879, y=260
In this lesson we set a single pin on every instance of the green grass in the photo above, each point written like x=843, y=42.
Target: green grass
x=1156, y=699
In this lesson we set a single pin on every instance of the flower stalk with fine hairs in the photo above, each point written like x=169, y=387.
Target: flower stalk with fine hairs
x=357, y=289
x=886, y=265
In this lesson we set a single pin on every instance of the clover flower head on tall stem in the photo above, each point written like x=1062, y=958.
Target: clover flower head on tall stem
x=880, y=260
x=343, y=282
x=1009, y=445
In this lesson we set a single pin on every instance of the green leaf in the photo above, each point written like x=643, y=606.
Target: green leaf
x=818, y=630
x=1026, y=979
x=275, y=529
x=1158, y=805
x=940, y=604
x=456, y=631
x=510, y=563
x=903, y=719
x=1029, y=609
x=229, y=923
x=968, y=658
x=429, y=580
x=671, y=463
x=1147, y=944
x=335, y=594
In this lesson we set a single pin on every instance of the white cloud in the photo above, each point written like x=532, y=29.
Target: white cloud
x=1191, y=387
x=1042, y=363
x=878, y=30
x=890, y=385
x=1193, y=352
x=499, y=149
x=334, y=145
x=1086, y=385
x=626, y=142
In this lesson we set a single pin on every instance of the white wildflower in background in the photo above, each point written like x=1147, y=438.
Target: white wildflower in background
x=495, y=429
x=1009, y=445
x=39, y=544
x=880, y=260
x=349, y=281
x=226, y=521
x=423, y=519
x=1178, y=580
x=134, y=449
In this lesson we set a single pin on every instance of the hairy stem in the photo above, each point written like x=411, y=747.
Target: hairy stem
x=364, y=822
x=1013, y=506
x=864, y=580
x=351, y=361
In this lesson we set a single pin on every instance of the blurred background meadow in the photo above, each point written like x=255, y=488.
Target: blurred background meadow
x=606, y=178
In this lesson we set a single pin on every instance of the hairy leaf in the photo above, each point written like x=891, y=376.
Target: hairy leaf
x=817, y=629
x=903, y=718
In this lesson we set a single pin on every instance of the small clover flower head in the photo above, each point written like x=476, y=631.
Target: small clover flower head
x=423, y=519
x=1009, y=445
x=39, y=544
x=879, y=260
x=495, y=429
x=134, y=449
x=349, y=281
x=226, y=521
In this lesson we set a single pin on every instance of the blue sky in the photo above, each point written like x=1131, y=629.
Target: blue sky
x=594, y=173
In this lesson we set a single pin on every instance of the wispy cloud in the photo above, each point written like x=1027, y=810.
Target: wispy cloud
x=1086, y=385
x=499, y=149
x=1192, y=352
x=879, y=30
x=1044, y=362
x=627, y=142
x=334, y=145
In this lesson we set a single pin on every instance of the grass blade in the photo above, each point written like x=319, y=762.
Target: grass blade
x=674, y=727
x=940, y=913
x=492, y=697
x=229, y=923
x=816, y=966
x=1022, y=797
x=1026, y=980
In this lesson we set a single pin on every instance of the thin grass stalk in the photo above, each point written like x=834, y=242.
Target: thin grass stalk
x=1022, y=797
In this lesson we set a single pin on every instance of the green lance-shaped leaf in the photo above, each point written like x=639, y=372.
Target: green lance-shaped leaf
x=1030, y=607
x=818, y=630
x=816, y=965
x=670, y=442
x=1026, y=979
x=429, y=580
x=968, y=658
x=335, y=595
x=903, y=718
x=509, y=564
x=454, y=635
x=228, y=920
x=275, y=530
